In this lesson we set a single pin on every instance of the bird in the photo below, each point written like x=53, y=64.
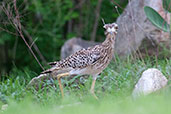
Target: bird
x=90, y=61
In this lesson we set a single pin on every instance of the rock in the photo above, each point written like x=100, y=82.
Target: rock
x=134, y=27
x=4, y=107
x=73, y=45
x=151, y=80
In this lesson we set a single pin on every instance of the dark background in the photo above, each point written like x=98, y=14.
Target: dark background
x=49, y=23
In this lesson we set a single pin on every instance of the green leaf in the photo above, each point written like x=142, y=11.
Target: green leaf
x=156, y=19
x=74, y=15
x=167, y=5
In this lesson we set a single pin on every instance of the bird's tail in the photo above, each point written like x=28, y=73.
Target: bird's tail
x=48, y=71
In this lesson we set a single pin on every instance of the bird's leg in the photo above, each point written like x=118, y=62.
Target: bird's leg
x=59, y=76
x=92, y=87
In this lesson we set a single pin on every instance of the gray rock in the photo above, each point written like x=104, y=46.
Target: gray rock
x=133, y=29
x=4, y=107
x=73, y=45
x=151, y=80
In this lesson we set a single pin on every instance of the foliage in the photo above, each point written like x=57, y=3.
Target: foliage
x=113, y=87
x=155, y=17
x=167, y=5
x=50, y=23
x=117, y=79
x=152, y=104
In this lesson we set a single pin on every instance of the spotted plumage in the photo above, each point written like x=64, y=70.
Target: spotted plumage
x=91, y=61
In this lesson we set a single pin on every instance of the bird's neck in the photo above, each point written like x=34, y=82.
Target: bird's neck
x=110, y=40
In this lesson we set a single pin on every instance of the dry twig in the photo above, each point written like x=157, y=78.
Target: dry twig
x=14, y=20
x=18, y=27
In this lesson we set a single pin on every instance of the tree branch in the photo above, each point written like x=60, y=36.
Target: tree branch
x=17, y=24
x=93, y=35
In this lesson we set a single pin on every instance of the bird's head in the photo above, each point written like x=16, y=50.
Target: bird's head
x=111, y=28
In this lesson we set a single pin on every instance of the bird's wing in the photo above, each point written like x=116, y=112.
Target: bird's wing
x=94, y=56
x=80, y=59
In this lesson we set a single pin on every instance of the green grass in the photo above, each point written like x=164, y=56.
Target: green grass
x=113, y=87
x=152, y=104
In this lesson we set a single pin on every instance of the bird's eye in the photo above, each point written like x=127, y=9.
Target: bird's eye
x=116, y=27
